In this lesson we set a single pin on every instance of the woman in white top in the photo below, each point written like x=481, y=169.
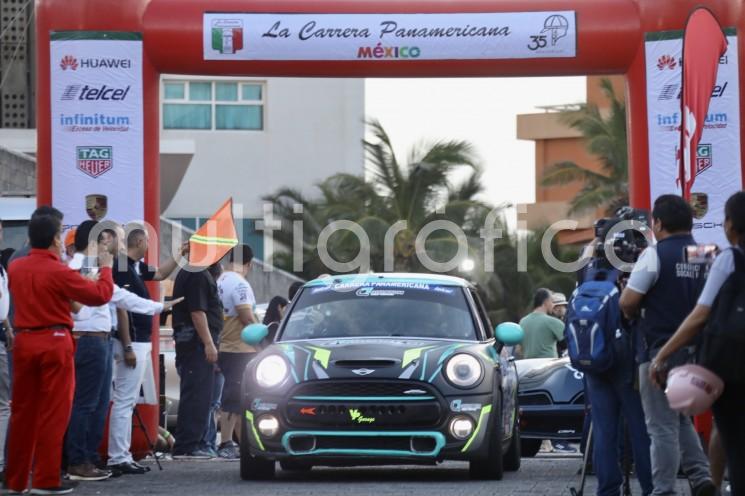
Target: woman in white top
x=729, y=409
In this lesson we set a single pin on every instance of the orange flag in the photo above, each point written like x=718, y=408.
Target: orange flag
x=214, y=239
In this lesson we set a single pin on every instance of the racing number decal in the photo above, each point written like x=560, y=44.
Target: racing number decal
x=537, y=42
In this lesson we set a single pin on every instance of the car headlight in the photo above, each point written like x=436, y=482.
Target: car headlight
x=464, y=370
x=271, y=371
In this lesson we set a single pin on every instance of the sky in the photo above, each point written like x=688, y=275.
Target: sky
x=482, y=111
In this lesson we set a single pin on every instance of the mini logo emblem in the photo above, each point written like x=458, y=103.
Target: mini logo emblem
x=363, y=371
x=94, y=160
x=308, y=411
x=68, y=61
x=415, y=391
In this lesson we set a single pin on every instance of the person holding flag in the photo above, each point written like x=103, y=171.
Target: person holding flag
x=197, y=323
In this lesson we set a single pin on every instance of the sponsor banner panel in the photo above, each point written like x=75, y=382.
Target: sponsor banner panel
x=97, y=128
x=467, y=36
x=717, y=161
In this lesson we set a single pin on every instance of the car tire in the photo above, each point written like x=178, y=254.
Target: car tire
x=513, y=456
x=530, y=447
x=295, y=466
x=491, y=467
x=253, y=467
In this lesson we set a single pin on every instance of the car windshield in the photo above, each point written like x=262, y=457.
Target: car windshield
x=381, y=309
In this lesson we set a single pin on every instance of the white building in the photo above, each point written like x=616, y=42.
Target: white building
x=246, y=138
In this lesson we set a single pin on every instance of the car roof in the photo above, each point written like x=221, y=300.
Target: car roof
x=392, y=277
x=16, y=207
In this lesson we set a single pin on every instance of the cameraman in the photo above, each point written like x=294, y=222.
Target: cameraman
x=661, y=291
x=613, y=395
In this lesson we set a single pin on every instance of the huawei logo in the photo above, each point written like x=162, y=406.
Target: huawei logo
x=68, y=61
x=666, y=62
x=363, y=371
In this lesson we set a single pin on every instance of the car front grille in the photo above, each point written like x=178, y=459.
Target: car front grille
x=371, y=404
x=534, y=399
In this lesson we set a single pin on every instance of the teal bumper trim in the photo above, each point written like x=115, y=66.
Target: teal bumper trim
x=363, y=398
x=438, y=437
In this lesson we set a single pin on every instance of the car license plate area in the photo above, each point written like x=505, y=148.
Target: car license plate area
x=363, y=414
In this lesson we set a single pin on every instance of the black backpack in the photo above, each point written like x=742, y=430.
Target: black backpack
x=723, y=348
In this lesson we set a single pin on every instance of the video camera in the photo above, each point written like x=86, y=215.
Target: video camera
x=626, y=244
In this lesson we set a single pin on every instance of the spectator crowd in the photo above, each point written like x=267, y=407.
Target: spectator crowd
x=76, y=320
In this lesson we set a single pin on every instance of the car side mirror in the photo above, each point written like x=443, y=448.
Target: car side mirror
x=253, y=334
x=509, y=333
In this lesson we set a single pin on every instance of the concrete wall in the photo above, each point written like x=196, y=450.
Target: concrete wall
x=313, y=129
x=17, y=172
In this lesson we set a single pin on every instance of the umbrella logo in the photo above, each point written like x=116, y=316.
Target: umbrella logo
x=557, y=25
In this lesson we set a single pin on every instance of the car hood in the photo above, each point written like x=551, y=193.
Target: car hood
x=389, y=358
x=554, y=375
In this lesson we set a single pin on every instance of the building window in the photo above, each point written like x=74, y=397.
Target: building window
x=213, y=105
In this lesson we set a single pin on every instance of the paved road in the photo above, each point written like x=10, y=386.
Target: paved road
x=545, y=475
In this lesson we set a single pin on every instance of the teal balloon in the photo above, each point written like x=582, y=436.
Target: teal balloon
x=252, y=334
x=510, y=333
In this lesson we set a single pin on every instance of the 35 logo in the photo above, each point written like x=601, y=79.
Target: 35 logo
x=537, y=42
x=556, y=26
x=68, y=62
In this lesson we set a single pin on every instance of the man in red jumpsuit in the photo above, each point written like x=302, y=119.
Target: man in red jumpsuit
x=43, y=367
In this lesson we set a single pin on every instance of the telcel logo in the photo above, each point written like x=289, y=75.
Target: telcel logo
x=94, y=93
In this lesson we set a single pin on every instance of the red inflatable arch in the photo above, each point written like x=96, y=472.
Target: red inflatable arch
x=610, y=40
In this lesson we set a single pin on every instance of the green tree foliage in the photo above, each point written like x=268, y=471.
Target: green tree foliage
x=415, y=192
x=605, y=138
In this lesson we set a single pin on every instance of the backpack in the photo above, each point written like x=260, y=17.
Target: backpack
x=723, y=345
x=592, y=325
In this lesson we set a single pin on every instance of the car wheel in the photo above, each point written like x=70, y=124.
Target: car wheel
x=491, y=467
x=530, y=447
x=253, y=467
x=512, y=457
x=295, y=465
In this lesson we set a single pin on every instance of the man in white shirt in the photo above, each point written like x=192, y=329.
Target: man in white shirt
x=93, y=356
x=237, y=301
x=6, y=342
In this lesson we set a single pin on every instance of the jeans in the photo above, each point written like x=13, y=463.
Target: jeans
x=93, y=371
x=728, y=414
x=4, y=401
x=209, y=441
x=609, y=398
x=127, y=384
x=675, y=443
x=197, y=378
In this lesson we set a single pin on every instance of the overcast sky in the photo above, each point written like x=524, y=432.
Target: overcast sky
x=482, y=111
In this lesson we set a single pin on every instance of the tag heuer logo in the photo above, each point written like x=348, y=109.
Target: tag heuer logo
x=227, y=35
x=703, y=158
x=363, y=372
x=94, y=160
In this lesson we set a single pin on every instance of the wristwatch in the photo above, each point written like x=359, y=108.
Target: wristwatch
x=128, y=348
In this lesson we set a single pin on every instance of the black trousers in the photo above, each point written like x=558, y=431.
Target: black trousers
x=196, y=376
x=729, y=414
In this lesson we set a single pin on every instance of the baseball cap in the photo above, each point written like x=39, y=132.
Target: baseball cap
x=559, y=299
x=70, y=237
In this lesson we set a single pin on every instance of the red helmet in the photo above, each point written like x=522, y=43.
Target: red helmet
x=692, y=389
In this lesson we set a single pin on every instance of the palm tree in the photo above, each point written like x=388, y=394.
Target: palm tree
x=605, y=138
x=417, y=192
